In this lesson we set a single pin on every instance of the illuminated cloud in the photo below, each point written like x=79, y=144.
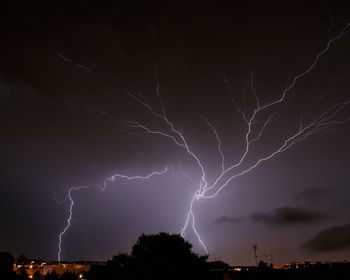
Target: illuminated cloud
x=223, y=220
x=332, y=239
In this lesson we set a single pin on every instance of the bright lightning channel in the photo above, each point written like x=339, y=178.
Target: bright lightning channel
x=110, y=179
x=331, y=116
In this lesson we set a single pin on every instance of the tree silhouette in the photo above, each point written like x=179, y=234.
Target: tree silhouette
x=22, y=274
x=154, y=256
x=69, y=276
x=51, y=276
x=37, y=275
x=116, y=268
x=168, y=256
x=22, y=259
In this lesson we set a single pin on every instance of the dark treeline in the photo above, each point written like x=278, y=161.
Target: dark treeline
x=169, y=256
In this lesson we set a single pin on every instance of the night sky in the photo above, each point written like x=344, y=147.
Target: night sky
x=65, y=73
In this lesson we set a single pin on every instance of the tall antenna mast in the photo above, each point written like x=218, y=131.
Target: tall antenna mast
x=255, y=248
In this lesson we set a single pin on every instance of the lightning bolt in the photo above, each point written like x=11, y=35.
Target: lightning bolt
x=69, y=220
x=83, y=67
x=327, y=118
x=103, y=187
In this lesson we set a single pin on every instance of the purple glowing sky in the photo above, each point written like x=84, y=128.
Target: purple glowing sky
x=62, y=66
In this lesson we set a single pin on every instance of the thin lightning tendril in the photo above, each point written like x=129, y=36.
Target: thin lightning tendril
x=110, y=179
x=74, y=63
x=326, y=119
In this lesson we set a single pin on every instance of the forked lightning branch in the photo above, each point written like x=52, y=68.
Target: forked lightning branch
x=256, y=122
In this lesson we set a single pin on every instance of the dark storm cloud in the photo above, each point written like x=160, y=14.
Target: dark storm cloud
x=331, y=239
x=223, y=220
x=312, y=195
x=288, y=215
